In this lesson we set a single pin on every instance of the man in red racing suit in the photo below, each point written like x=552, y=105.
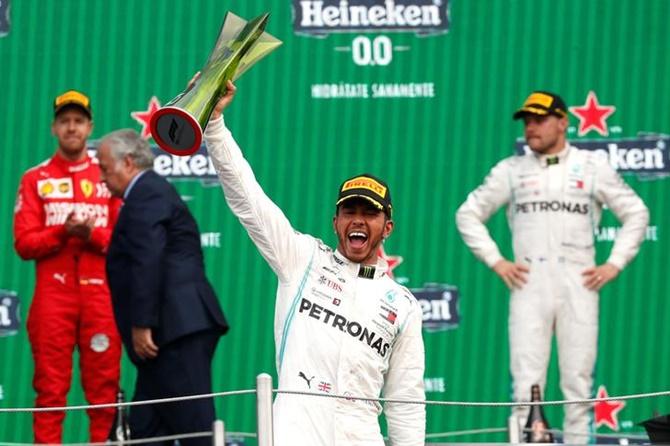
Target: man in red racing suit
x=63, y=220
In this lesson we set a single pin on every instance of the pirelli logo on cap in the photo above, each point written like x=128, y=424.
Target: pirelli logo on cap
x=365, y=183
x=542, y=103
x=72, y=97
x=539, y=99
x=368, y=187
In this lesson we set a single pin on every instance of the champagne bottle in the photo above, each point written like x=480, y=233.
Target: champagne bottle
x=537, y=427
x=120, y=427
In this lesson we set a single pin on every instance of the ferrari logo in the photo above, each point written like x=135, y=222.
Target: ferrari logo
x=86, y=187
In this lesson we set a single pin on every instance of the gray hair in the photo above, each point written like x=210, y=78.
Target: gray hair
x=128, y=142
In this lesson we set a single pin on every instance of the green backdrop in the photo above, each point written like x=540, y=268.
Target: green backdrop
x=304, y=122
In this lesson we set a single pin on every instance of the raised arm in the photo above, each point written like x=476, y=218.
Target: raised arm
x=281, y=246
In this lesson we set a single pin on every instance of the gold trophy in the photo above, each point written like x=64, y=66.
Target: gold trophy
x=178, y=126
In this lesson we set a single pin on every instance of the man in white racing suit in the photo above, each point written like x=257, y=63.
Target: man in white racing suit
x=554, y=196
x=342, y=326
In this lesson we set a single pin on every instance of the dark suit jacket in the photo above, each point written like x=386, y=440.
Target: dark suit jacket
x=155, y=267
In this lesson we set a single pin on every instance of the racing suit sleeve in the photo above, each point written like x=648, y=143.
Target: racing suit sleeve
x=404, y=380
x=628, y=208
x=478, y=208
x=281, y=246
x=32, y=239
x=100, y=236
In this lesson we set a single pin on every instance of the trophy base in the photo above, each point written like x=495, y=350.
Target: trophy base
x=176, y=131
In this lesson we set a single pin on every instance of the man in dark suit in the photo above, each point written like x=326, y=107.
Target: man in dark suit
x=166, y=310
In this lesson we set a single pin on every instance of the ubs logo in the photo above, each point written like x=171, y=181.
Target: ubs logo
x=323, y=280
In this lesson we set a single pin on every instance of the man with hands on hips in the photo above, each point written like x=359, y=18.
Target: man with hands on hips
x=554, y=196
x=342, y=326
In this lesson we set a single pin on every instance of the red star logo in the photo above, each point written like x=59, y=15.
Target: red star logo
x=144, y=117
x=393, y=261
x=606, y=411
x=592, y=115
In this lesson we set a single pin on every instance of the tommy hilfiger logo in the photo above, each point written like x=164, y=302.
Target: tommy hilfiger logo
x=389, y=315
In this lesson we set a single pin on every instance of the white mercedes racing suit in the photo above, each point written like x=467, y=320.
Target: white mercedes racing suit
x=335, y=332
x=553, y=210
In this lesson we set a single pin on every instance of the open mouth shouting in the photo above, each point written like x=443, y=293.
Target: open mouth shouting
x=357, y=239
x=360, y=228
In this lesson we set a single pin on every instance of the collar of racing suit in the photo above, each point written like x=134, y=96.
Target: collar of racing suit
x=71, y=166
x=554, y=158
x=361, y=270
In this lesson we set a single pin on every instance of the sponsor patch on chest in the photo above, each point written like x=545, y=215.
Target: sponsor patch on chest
x=55, y=188
x=336, y=321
